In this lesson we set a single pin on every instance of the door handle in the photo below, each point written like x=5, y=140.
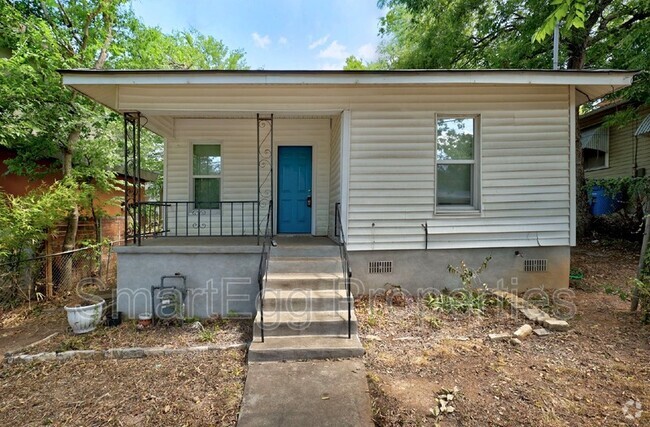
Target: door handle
x=309, y=201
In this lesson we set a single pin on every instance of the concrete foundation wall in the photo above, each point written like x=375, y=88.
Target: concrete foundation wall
x=223, y=280
x=417, y=270
x=217, y=283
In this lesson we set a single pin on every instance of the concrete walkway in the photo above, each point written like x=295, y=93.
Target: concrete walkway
x=313, y=393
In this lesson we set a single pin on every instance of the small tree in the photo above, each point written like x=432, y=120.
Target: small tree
x=24, y=225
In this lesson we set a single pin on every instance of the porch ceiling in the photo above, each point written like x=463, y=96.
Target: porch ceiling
x=163, y=123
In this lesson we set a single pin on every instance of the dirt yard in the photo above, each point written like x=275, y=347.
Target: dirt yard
x=581, y=377
x=193, y=389
x=198, y=389
x=587, y=376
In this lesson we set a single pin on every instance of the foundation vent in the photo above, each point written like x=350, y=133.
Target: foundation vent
x=535, y=265
x=379, y=267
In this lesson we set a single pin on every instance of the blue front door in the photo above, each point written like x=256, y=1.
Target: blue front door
x=294, y=190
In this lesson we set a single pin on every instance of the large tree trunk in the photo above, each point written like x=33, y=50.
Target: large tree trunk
x=577, y=57
x=577, y=50
x=583, y=213
x=72, y=221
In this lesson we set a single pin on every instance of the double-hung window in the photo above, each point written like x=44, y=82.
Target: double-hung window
x=457, y=164
x=206, y=175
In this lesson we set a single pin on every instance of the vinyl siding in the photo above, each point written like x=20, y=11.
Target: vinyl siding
x=238, y=139
x=335, y=172
x=524, y=156
x=621, y=150
x=524, y=172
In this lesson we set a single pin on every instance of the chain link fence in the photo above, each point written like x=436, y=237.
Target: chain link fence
x=44, y=276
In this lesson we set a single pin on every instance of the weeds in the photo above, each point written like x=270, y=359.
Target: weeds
x=615, y=290
x=471, y=302
x=433, y=322
x=72, y=343
x=209, y=334
x=467, y=299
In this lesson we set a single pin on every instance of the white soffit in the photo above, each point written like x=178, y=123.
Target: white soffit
x=104, y=86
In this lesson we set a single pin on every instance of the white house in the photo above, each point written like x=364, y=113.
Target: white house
x=421, y=169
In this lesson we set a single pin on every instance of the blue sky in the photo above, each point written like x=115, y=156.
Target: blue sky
x=279, y=34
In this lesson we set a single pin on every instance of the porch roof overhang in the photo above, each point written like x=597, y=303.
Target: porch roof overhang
x=106, y=86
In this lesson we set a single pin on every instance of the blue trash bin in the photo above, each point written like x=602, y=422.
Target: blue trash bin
x=602, y=203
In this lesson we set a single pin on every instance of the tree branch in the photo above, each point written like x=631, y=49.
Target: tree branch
x=68, y=22
x=603, y=32
x=86, y=28
x=103, y=53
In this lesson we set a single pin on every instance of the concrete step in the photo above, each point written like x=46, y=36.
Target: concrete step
x=304, y=347
x=282, y=323
x=300, y=300
x=331, y=265
x=283, y=250
x=313, y=281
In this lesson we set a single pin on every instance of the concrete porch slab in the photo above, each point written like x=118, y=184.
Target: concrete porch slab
x=313, y=393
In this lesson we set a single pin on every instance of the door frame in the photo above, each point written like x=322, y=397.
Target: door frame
x=276, y=170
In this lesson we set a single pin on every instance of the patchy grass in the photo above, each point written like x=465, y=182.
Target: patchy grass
x=582, y=377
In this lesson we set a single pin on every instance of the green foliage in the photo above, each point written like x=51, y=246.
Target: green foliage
x=433, y=322
x=24, y=224
x=25, y=220
x=462, y=34
x=150, y=48
x=615, y=290
x=633, y=188
x=209, y=334
x=461, y=301
x=610, y=34
x=73, y=343
x=466, y=299
x=468, y=275
x=357, y=64
x=572, y=12
x=41, y=120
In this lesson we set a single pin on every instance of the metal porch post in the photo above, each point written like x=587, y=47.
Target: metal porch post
x=133, y=170
x=264, y=171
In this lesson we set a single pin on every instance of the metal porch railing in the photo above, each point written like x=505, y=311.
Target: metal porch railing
x=192, y=219
x=264, y=263
x=345, y=262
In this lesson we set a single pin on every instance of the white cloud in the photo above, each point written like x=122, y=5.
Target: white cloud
x=331, y=66
x=334, y=51
x=321, y=41
x=283, y=40
x=261, y=41
x=367, y=52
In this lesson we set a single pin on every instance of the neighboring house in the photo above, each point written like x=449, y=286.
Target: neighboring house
x=416, y=169
x=616, y=151
x=111, y=221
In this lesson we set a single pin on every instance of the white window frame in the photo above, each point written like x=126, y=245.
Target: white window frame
x=192, y=176
x=475, y=206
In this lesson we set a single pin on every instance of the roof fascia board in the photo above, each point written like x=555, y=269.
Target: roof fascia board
x=609, y=78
